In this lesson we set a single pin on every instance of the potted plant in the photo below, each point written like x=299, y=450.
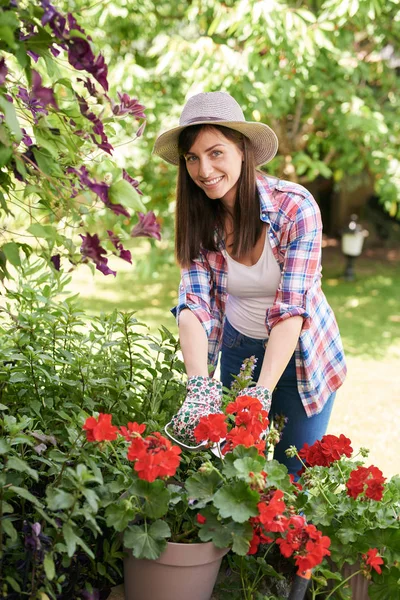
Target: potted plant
x=359, y=510
x=171, y=503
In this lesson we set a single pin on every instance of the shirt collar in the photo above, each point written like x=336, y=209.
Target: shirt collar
x=268, y=204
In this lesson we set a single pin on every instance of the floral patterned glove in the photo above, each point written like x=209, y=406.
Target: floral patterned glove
x=204, y=396
x=261, y=393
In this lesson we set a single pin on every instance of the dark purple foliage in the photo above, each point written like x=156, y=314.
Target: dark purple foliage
x=147, y=226
x=98, y=127
x=34, y=105
x=55, y=19
x=43, y=94
x=134, y=182
x=99, y=188
x=3, y=71
x=124, y=254
x=91, y=249
x=129, y=106
x=80, y=54
x=56, y=260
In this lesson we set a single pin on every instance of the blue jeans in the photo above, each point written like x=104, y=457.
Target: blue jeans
x=286, y=400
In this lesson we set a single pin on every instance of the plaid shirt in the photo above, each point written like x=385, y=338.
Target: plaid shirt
x=295, y=231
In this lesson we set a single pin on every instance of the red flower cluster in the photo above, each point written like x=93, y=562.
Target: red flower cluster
x=211, y=428
x=250, y=422
x=154, y=457
x=295, y=537
x=373, y=560
x=132, y=430
x=326, y=450
x=366, y=479
x=100, y=430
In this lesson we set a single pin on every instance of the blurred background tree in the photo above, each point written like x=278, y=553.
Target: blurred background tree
x=323, y=74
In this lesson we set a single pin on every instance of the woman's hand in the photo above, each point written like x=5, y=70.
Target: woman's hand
x=204, y=396
x=261, y=393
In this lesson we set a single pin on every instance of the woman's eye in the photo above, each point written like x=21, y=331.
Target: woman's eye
x=217, y=152
x=191, y=158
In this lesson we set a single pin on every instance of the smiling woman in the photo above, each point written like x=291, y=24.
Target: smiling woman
x=250, y=251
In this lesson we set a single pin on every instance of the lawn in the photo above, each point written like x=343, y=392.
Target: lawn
x=367, y=408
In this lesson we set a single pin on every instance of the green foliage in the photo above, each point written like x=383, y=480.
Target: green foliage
x=57, y=123
x=322, y=74
x=62, y=499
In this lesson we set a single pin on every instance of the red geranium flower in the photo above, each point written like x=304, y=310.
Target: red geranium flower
x=200, y=519
x=211, y=428
x=132, y=430
x=366, y=479
x=326, y=450
x=155, y=456
x=100, y=429
x=373, y=560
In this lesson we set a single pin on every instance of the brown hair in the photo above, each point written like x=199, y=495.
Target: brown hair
x=197, y=217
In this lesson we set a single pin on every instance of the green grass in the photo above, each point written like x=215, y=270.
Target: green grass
x=367, y=310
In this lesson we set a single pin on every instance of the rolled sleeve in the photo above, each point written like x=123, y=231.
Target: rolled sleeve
x=194, y=294
x=301, y=268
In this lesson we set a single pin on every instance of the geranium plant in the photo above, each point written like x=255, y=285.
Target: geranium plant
x=237, y=500
x=358, y=508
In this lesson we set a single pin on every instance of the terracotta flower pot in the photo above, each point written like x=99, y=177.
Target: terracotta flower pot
x=183, y=571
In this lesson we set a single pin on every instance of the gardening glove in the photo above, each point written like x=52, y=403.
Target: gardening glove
x=261, y=393
x=204, y=396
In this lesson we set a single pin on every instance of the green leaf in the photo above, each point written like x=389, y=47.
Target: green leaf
x=11, y=116
x=121, y=192
x=14, y=584
x=11, y=251
x=23, y=493
x=17, y=464
x=10, y=530
x=214, y=530
x=70, y=538
x=5, y=155
x=156, y=497
x=277, y=475
x=4, y=446
x=120, y=515
x=247, y=465
x=241, y=534
x=147, y=542
x=49, y=232
x=385, y=586
x=49, y=567
x=58, y=499
x=202, y=487
x=237, y=501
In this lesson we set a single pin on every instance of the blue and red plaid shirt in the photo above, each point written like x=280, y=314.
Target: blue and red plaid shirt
x=295, y=232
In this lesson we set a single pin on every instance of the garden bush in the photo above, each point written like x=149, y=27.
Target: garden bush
x=59, y=366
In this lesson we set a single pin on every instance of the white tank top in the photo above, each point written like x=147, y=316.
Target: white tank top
x=251, y=291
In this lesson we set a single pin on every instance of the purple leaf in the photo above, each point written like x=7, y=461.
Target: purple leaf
x=128, y=106
x=91, y=249
x=3, y=71
x=56, y=260
x=124, y=254
x=134, y=182
x=147, y=226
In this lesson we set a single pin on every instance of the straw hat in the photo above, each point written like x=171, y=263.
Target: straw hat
x=217, y=108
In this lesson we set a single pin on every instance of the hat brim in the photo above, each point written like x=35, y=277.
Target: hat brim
x=263, y=139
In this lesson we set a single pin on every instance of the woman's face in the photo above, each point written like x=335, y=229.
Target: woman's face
x=215, y=163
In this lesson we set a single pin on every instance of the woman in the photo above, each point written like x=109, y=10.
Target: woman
x=250, y=250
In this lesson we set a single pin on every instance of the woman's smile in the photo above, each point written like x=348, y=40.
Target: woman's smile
x=215, y=164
